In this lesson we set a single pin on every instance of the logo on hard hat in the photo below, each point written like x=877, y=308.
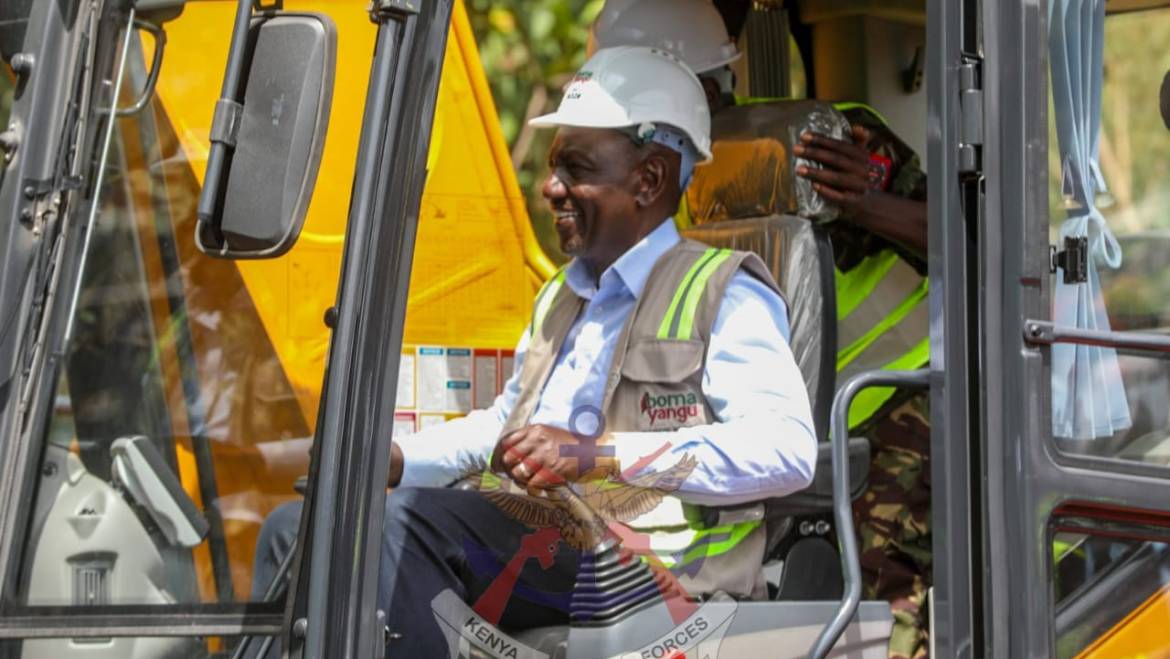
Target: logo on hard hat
x=573, y=89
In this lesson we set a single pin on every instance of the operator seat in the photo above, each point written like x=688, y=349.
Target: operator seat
x=749, y=198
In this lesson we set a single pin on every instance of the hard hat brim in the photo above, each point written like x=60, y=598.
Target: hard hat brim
x=718, y=64
x=556, y=119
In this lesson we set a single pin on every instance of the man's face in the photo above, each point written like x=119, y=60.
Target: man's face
x=591, y=188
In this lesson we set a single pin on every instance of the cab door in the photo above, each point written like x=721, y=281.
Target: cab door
x=1071, y=396
x=333, y=613
x=156, y=403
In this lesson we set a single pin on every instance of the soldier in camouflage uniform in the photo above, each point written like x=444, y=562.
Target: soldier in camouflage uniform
x=893, y=516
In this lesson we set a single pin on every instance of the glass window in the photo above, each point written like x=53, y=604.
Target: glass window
x=1112, y=596
x=1132, y=195
x=210, y=647
x=7, y=90
x=188, y=397
x=13, y=25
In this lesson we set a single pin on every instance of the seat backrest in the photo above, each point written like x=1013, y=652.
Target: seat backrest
x=800, y=258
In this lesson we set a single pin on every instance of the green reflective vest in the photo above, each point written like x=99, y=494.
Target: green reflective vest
x=883, y=319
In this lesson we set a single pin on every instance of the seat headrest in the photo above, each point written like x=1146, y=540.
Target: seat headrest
x=753, y=173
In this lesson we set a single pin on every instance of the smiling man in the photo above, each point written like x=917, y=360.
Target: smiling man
x=650, y=362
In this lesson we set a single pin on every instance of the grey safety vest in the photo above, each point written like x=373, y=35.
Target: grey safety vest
x=655, y=384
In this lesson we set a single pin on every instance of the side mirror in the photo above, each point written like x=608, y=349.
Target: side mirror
x=267, y=133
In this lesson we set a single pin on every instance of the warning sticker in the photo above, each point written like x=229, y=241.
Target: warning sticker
x=487, y=378
x=405, y=397
x=507, y=365
x=403, y=424
x=428, y=420
x=444, y=379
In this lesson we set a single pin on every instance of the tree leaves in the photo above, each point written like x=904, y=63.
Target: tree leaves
x=525, y=45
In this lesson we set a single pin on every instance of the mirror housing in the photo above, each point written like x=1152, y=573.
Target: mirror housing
x=267, y=134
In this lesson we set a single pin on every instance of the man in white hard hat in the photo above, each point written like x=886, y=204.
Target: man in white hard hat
x=692, y=30
x=650, y=362
x=880, y=244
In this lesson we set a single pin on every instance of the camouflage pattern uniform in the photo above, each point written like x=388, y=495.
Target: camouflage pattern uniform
x=893, y=516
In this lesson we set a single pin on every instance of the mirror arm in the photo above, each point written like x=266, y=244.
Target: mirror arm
x=217, y=156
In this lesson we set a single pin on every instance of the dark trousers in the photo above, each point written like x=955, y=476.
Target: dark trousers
x=437, y=539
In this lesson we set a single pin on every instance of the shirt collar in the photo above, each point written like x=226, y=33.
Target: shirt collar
x=632, y=268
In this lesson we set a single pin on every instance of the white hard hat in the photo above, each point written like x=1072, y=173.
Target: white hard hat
x=692, y=30
x=638, y=87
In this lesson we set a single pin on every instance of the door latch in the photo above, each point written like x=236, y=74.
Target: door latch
x=1073, y=259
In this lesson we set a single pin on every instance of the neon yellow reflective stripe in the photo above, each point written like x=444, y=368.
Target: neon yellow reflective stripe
x=545, y=298
x=668, y=319
x=869, y=401
x=849, y=353
x=1062, y=549
x=687, y=321
x=846, y=106
x=753, y=100
x=737, y=533
x=700, y=548
x=856, y=285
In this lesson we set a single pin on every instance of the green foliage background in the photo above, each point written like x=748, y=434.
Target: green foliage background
x=530, y=49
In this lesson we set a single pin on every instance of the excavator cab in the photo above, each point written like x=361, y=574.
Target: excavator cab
x=244, y=244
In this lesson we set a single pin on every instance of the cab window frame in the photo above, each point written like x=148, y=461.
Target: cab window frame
x=1143, y=344
x=1026, y=478
x=82, y=40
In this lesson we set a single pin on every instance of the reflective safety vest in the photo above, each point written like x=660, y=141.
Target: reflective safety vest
x=883, y=319
x=655, y=384
x=883, y=322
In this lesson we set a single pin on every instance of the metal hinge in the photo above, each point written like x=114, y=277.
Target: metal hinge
x=970, y=116
x=1073, y=259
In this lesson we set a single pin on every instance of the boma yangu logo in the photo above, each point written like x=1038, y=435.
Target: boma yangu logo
x=670, y=407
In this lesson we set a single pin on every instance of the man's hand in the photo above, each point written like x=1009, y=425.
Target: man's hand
x=849, y=180
x=532, y=456
x=845, y=179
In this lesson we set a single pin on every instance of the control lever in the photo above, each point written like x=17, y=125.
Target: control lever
x=598, y=536
x=609, y=585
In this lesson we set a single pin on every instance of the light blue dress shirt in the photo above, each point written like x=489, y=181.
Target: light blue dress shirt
x=763, y=443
